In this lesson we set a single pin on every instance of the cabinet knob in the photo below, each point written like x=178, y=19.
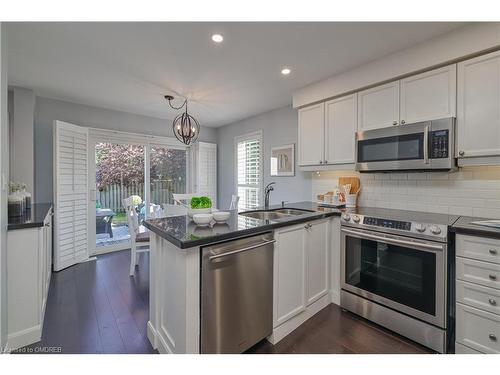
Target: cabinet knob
x=492, y=277
x=326, y=161
x=403, y=122
x=461, y=153
x=493, y=252
x=321, y=161
x=394, y=123
x=492, y=337
x=308, y=226
x=492, y=302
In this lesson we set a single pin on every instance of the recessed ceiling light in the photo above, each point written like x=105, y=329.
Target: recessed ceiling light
x=217, y=38
x=285, y=71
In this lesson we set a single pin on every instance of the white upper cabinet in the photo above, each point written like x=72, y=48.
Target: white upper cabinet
x=429, y=96
x=378, y=107
x=478, y=106
x=311, y=134
x=341, y=124
x=422, y=97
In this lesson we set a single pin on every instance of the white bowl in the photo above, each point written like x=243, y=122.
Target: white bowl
x=221, y=216
x=203, y=219
x=194, y=211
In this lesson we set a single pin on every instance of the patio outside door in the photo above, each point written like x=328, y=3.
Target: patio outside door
x=122, y=166
x=119, y=173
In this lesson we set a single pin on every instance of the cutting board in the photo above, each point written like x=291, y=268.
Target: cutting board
x=354, y=181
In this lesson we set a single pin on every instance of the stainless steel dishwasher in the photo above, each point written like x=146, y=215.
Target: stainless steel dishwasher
x=237, y=294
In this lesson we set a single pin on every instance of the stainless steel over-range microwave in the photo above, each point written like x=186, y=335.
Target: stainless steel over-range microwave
x=428, y=145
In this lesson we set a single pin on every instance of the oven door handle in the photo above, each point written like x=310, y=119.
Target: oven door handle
x=394, y=240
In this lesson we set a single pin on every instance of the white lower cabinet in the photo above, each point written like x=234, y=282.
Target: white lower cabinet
x=477, y=295
x=317, y=254
x=289, y=274
x=29, y=261
x=301, y=275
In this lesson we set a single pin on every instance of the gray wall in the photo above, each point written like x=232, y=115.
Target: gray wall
x=21, y=135
x=279, y=128
x=47, y=110
x=4, y=173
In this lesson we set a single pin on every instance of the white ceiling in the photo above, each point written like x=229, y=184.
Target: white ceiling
x=130, y=66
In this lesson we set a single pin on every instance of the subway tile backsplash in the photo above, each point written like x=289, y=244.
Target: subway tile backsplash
x=471, y=191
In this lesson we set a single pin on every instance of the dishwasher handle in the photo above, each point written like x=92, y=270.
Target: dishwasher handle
x=264, y=243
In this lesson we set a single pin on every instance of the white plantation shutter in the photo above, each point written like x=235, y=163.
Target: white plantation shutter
x=206, y=167
x=249, y=170
x=71, y=197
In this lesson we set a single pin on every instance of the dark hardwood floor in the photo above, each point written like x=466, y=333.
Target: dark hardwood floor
x=334, y=331
x=95, y=307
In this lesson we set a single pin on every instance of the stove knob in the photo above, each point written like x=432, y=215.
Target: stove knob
x=420, y=228
x=346, y=217
x=434, y=229
x=355, y=218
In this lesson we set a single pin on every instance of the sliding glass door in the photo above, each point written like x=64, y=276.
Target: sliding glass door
x=123, y=165
x=167, y=174
x=119, y=174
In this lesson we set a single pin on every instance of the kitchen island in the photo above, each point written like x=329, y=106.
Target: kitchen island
x=175, y=279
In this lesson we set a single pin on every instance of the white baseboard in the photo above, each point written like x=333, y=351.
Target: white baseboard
x=335, y=297
x=156, y=340
x=22, y=338
x=283, y=330
x=151, y=333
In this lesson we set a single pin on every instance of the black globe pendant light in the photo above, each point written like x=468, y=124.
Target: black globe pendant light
x=186, y=128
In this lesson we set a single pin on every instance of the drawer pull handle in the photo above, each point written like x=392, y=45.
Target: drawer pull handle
x=492, y=337
x=492, y=302
x=493, y=252
x=492, y=277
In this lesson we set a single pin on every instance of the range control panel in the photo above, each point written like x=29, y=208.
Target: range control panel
x=394, y=224
x=439, y=140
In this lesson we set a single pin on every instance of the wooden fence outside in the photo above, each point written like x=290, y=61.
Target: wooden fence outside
x=161, y=192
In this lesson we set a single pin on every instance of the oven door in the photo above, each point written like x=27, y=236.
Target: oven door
x=396, y=148
x=404, y=274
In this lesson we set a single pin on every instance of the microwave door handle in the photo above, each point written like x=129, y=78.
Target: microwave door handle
x=426, y=144
x=394, y=240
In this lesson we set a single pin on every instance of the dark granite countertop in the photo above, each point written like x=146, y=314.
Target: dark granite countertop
x=31, y=219
x=464, y=226
x=184, y=233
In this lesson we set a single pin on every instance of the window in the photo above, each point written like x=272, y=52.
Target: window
x=249, y=170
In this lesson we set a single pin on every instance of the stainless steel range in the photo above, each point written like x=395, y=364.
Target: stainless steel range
x=397, y=270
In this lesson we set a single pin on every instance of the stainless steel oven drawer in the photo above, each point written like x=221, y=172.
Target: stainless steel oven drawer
x=478, y=329
x=475, y=271
x=479, y=296
x=479, y=248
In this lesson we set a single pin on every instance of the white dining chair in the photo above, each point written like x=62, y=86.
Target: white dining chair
x=170, y=210
x=234, y=202
x=178, y=198
x=139, y=236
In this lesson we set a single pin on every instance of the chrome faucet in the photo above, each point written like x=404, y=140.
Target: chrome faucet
x=267, y=191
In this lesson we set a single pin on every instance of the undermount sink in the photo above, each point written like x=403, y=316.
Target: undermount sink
x=276, y=214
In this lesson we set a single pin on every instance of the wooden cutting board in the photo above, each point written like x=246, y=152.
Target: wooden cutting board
x=354, y=181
